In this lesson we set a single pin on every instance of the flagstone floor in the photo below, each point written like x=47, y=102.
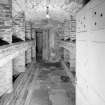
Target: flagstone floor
x=50, y=87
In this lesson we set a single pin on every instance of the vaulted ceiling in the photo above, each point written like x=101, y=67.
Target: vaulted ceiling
x=35, y=10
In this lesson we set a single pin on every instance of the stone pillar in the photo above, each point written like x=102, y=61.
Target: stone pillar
x=33, y=33
x=6, y=78
x=33, y=52
x=45, y=45
x=19, y=63
x=28, y=30
x=28, y=56
x=33, y=49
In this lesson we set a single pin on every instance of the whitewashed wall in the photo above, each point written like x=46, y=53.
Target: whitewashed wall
x=90, y=54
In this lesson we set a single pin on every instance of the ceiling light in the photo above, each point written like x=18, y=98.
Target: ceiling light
x=47, y=16
x=47, y=12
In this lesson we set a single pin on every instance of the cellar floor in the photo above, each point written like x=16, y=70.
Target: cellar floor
x=48, y=87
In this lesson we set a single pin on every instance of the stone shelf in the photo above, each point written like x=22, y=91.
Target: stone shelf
x=71, y=53
x=69, y=73
x=20, y=85
x=8, y=52
x=67, y=45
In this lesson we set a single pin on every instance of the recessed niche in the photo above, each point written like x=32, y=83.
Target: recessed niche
x=65, y=78
x=85, y=2
x=68, y=64
x=3, y=42
x=101, y=15
x=95, y=23
x=74, y=40
x=16, y=39
x=68, y=39
x=15, y=77
x=95, y=13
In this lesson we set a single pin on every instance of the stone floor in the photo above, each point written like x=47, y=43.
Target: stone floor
x=48, y=88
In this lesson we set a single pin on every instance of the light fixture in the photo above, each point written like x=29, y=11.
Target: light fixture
x=47, y=16
x=47, y=12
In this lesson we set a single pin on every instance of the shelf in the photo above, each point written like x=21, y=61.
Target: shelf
x=8, y=52
x=20, y=85
x=6, y=20
x=67, y=45
x=69, y=73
